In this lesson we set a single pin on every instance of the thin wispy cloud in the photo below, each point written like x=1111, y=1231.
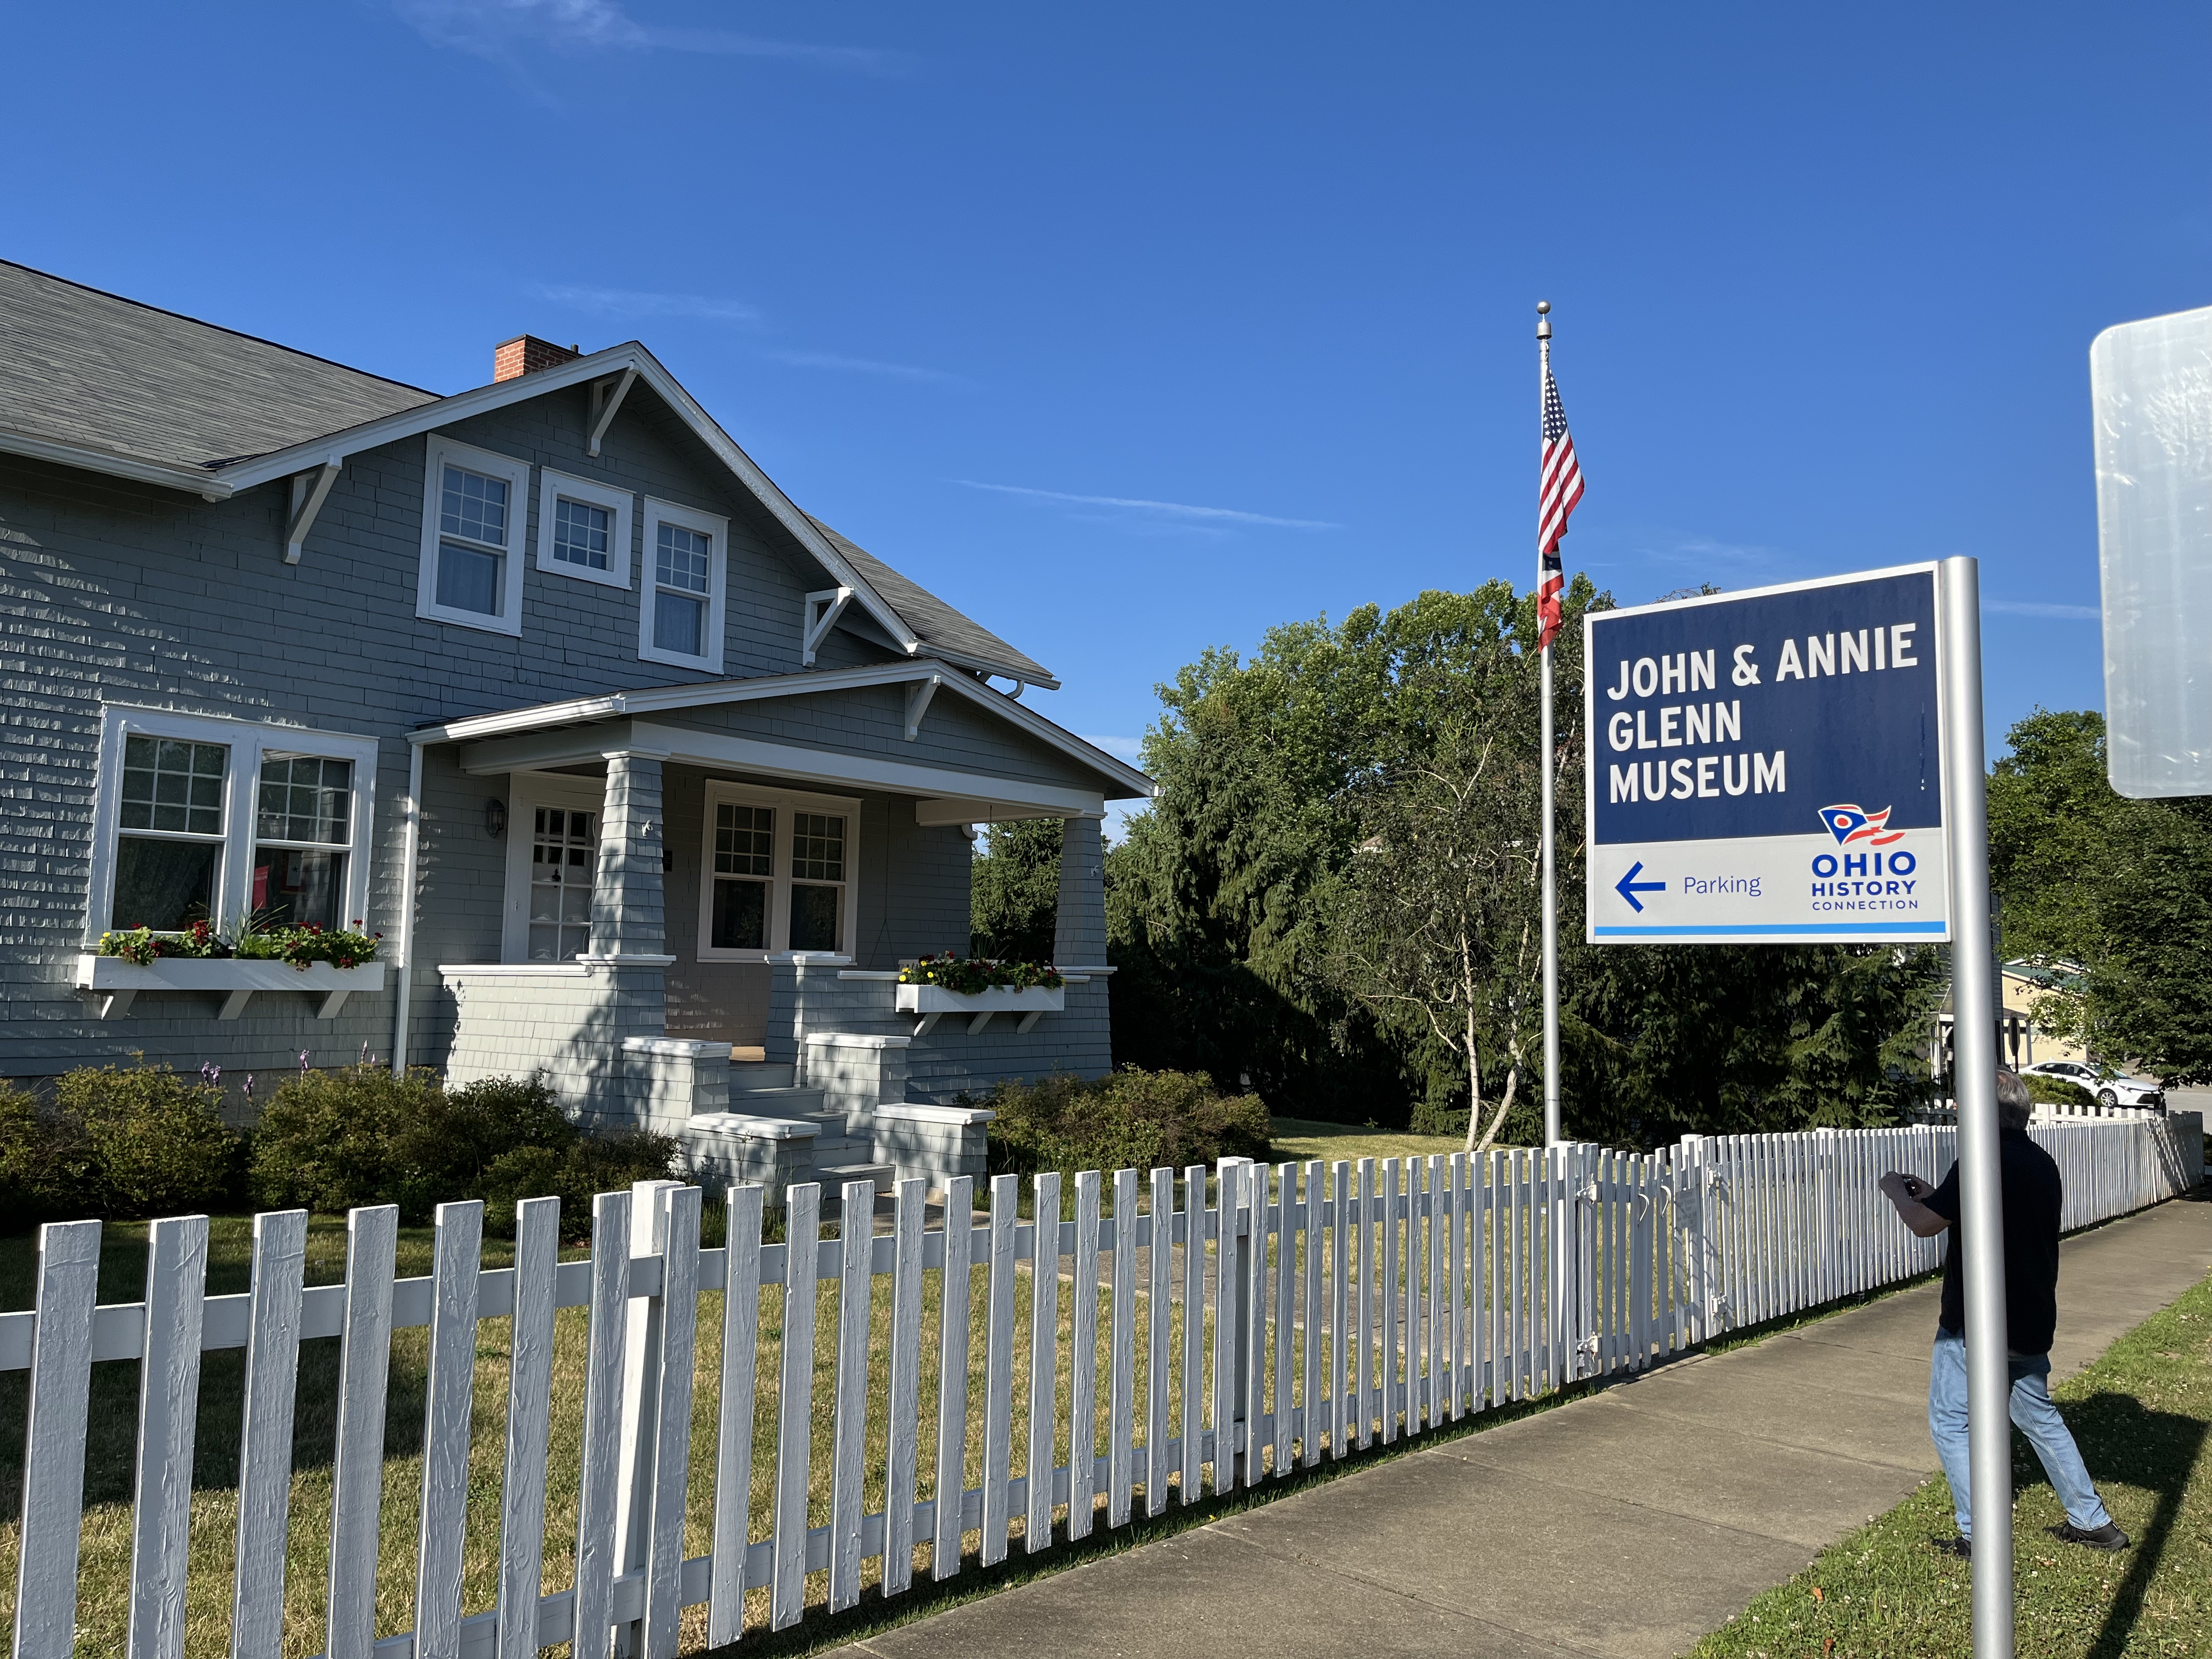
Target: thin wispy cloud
x=631, y=302
x=1165, y=509
x=860, y=365
x=2040, y=607
x=496, y=29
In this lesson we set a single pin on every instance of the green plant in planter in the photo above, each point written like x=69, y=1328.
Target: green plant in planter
x=966, y=975
x=144, y=946
x=303, y=946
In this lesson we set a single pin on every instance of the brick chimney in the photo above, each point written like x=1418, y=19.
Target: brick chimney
x=526, y=354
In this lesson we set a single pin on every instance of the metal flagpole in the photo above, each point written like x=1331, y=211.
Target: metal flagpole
x=1980, y=1231
x=1566, y=1323
x=1553, y=1135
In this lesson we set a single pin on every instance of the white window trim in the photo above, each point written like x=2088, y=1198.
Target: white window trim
x=247, y=740
x=526, y=792
x=440, y=450
x=717, y=530
x=551, y=487
x=778, y=910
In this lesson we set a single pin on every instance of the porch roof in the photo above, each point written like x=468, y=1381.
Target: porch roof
x=578, y=730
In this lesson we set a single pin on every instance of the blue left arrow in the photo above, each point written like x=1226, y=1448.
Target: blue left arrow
x=1628, y=887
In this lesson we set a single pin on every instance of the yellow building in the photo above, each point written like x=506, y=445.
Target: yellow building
x=2023, y=981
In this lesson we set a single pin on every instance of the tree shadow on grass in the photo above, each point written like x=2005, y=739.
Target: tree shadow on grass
x=2123, y=1443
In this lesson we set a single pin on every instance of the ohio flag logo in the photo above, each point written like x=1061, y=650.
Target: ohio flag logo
x=1852, y=823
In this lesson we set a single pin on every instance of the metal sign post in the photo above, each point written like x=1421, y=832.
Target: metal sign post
x=1980, y=1231
x=1803, y=764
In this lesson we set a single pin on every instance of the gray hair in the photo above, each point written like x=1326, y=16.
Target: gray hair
x=2015, y=1106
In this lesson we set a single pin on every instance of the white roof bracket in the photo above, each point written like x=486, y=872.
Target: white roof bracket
x=917, y=703
x=823, y=607
x=309, y=491
x=605, y=403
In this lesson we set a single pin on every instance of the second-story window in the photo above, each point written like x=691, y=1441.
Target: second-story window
x=471, y=529
x=583, y=529
x=680, y=620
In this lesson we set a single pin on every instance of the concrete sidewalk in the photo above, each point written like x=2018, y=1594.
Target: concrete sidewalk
x=1629, y=1522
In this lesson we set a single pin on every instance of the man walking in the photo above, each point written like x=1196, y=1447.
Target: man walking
x=2032, y=1190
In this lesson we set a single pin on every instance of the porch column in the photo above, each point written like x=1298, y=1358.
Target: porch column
x=630, y=911
x=1078, y=939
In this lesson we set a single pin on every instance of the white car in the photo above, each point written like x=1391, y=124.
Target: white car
x=2109, y=1087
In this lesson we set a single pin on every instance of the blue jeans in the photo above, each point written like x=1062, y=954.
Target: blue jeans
x=2032, y=1414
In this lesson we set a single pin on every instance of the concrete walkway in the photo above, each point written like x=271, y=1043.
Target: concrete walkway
x=1629, y=1522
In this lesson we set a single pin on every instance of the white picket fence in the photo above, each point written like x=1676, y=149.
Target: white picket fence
x=1283, y=1316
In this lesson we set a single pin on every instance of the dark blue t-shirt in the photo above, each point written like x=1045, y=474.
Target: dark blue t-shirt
x=2033, y=1194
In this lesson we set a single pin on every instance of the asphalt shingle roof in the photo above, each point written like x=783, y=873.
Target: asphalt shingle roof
x=934, y=622
x=83, y=367
x=98, y=372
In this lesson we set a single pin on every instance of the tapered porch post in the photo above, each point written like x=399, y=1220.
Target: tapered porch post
x=1078, y=939
x=629, y=907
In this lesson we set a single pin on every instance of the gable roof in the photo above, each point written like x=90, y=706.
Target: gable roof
x=91, y=369
x=950, y=634
x=92, y=380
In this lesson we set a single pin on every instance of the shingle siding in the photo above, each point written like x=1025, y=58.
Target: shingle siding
x=116, y=592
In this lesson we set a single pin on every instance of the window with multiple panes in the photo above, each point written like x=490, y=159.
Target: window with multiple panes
x=303, y=837
x=777, y=873
x=744, y=876
x=679, y=591
x=680, y=613
x=169, y=832
x=564, y=851
x=226, y=821
x=583, y=529
x=582, y=534
x=473, y=514
x=818, y=881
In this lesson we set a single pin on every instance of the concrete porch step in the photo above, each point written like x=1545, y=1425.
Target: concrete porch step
x=833, y=1177
x=784, y=1102
x=759, y=1074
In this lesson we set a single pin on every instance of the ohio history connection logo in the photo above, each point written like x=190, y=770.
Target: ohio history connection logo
x=1867, y=879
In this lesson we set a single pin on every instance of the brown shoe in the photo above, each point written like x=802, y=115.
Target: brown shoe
x=2108, y=1537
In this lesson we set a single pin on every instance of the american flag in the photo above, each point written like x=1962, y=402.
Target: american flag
x=1561, y=488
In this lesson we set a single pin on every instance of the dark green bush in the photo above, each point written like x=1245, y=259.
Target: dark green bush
x=115, y=1144
x=2056, y=1090
x=332, y=1140
x=1130, y=1119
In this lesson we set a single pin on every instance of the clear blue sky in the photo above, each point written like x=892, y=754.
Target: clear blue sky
x=1132, y=330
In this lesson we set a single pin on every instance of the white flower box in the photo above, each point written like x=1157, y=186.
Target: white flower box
x=932, y=1002
x=236, y=979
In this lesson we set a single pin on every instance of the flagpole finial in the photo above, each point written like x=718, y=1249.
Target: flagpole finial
x=1543, y=319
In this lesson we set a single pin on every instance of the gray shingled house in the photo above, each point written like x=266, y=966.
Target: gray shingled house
x=646, y=776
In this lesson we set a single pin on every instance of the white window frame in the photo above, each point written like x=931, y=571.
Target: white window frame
x=785, y=802
x=527, y=793
x=716, y=529
x=438, y=452
x=247, y=741
x=618, y=503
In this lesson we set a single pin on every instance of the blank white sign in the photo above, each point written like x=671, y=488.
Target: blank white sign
x=2151, y=382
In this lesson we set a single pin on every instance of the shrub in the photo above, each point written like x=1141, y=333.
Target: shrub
x=47, y=1170
x=2056, y=1090
x=1130, y=1119
x=139, y=1142
x=332, y=1140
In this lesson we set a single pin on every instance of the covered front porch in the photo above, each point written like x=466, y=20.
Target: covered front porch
x=700, y=921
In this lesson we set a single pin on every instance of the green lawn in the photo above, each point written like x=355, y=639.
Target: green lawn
x=2141, y=1415
x=1304, y=1139
x=106, y=1539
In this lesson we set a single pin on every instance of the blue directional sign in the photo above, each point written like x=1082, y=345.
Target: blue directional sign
x=1767, y=765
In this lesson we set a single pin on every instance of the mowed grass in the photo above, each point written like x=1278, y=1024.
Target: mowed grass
x=1302, y=1138
x=2141, y=1415
x=103, y=1599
